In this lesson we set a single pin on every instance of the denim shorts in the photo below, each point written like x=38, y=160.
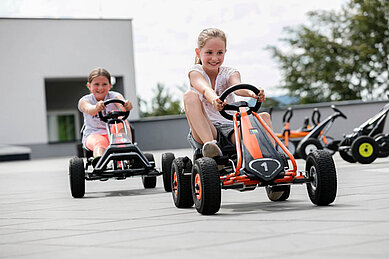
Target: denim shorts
x=224, y=132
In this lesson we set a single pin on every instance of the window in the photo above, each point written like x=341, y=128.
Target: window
x=62, y=126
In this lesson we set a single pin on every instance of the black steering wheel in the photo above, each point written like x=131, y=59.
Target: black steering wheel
x=236, y=105
x=114, y=114
x=316, y=116
x=339, y=111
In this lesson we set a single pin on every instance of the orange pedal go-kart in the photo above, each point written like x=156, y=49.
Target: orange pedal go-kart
x=254, y=162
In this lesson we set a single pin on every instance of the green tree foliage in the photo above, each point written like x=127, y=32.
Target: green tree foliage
x=340, y=56
x=162, y=103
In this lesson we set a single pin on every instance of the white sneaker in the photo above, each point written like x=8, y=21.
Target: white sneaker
x=211, y=149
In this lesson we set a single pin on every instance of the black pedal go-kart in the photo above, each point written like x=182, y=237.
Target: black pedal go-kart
x=291, y=138
x=120, y=160
x=368, y=141
x=253, y=162
x=317, y=138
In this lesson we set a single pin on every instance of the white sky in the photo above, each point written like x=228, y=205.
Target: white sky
x=165, y=32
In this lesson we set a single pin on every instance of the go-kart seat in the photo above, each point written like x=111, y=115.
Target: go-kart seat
x=85, y=152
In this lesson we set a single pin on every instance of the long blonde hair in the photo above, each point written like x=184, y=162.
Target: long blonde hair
x=207, y=34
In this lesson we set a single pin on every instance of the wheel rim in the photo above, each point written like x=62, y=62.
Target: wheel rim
x=366, y=149
x=197, y=186
x=313, y=174
x=310, y=148
x=175, y=184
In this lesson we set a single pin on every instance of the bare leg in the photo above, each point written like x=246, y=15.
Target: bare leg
x=128, y=130
x=98, y=151
x=267, y=119
x=201, y=127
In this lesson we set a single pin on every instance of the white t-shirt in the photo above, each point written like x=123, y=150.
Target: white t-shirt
x=221, y=84
x=93, y=124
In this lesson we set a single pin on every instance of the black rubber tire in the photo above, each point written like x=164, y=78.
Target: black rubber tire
x=206, y=188
x=77, y=177
x=180, y=182
x=320, y=167
x=149, y=181
x=278, y=193
x=343, y=154
x=80, y=150
x=364, y=150
x=167, y=160
x=383, y=145
x=306, y=147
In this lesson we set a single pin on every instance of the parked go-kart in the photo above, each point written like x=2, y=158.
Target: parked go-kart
x=120, y=160
x=317, y=138
x=254, y=162
x=291, y=138
x=367, y=142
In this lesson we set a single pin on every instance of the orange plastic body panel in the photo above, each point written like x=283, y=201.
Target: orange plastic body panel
x=235, y=178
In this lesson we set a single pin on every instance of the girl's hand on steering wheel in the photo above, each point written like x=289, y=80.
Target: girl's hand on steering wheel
x=100, y=106
x=217, y=104
x=260, y=96
x=127, y=105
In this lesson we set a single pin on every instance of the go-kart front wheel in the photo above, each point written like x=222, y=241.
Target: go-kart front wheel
x=320, y=168
x=180, y=182
x=364, y=150
x=149, y=181
x=278, y=193
x=77, y=177
x=206, y=189
x=167, y=160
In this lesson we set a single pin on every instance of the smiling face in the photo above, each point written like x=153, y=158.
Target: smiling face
x=99, y=87
x=212, y=54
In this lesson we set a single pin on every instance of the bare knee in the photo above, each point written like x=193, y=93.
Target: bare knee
x=191, y=98
x=266, y=117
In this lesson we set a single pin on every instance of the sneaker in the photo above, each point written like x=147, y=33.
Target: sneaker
x=211, y=149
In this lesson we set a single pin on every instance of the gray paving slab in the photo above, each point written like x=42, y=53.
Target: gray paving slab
x=120, y=219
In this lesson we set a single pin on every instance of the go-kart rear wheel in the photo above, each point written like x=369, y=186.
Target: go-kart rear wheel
x=383, y=145
x=364, y=150
x=77, y=177
x=278, y=193
x=167, y=160
x=343, y=154
x=149, y=181
x=180, y=182
x=307, y=147
x=206, y=189
x=320, y=168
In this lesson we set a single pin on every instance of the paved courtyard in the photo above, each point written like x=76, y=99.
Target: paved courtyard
x=120, y=219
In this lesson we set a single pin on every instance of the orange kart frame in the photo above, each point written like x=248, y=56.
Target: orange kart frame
x=291, y=176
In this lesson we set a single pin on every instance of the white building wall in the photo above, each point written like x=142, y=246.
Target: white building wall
x=34, y=49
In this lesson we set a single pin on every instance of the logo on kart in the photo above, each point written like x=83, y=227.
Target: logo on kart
x=266, y=168
x=253, y=131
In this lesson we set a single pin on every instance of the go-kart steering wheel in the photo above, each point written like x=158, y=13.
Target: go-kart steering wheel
x=114, y=114
x=235, y=106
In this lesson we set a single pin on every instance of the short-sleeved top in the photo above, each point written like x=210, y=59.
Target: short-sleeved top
x=93, y=124
x=221, y=84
